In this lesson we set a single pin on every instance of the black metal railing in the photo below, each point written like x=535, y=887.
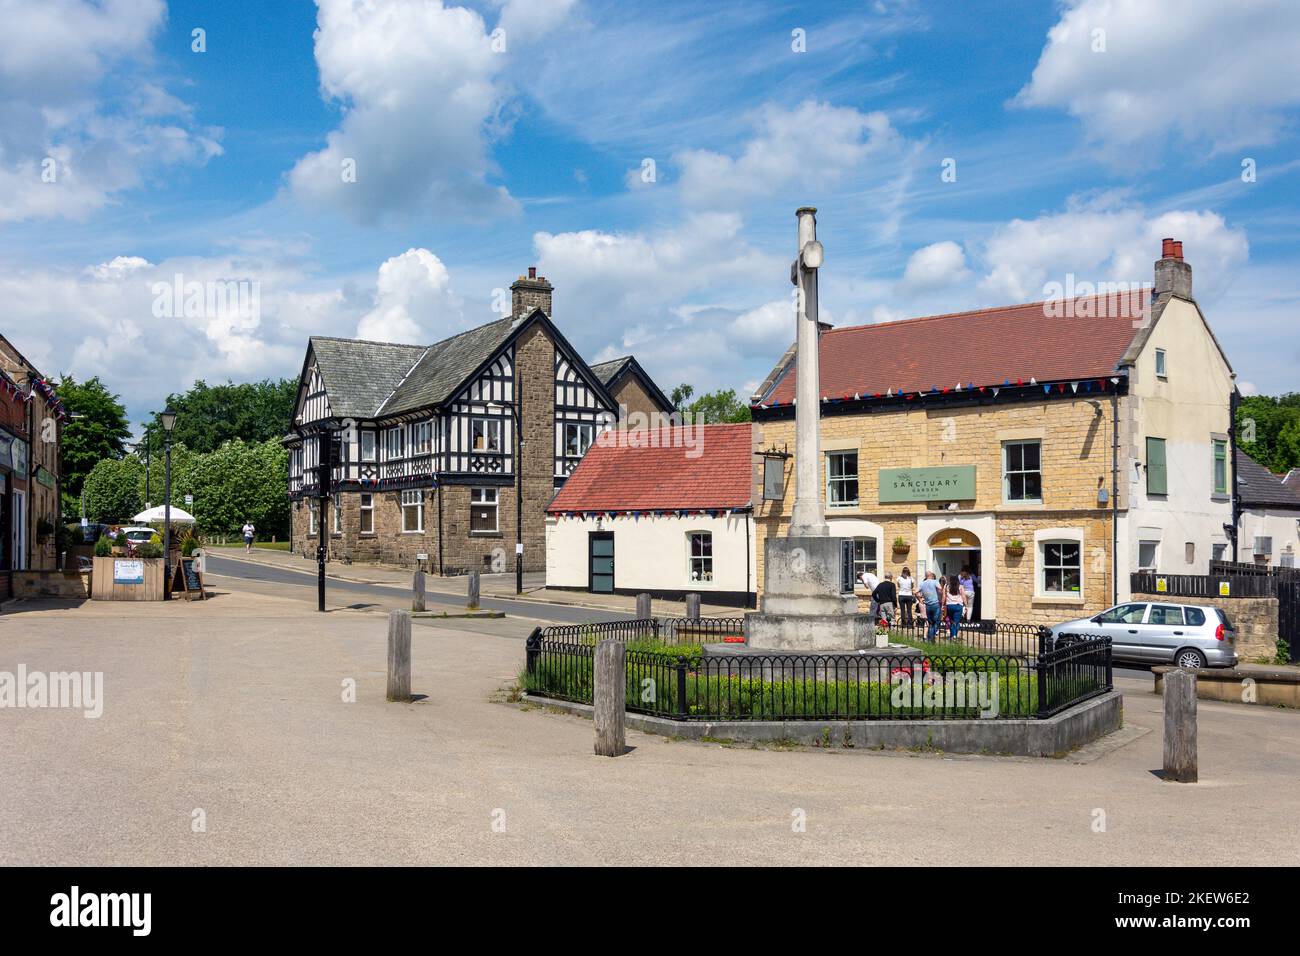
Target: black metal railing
x=1204, y=585
x=678, y=681
x=1075, y=668
x=1250, y=569
x=973, y=637
x=671, y=630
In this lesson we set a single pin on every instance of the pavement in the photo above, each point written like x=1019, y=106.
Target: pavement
x=490, y=585
x=226, y=739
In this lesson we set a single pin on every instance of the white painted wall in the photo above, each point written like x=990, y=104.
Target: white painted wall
x=1187, y=409
x=1282, y=525
x=651, y=553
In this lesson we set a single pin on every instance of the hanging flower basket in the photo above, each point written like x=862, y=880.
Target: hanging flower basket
x=1016, y=549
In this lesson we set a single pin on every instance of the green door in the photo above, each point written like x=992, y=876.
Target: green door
x=601, y=562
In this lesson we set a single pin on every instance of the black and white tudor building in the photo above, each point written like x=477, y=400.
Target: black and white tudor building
x=423, y=438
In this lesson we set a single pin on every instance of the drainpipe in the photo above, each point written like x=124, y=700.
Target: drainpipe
x=1234, y=402
x=1114, y=498
x=442, y=571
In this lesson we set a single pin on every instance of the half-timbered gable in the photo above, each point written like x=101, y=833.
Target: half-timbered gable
x=424, y=440
x=583, y=409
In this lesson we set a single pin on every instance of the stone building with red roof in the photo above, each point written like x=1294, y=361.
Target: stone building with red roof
x=666, y=511
x=1050, y=447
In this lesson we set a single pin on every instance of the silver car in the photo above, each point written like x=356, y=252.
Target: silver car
x=1188, y=635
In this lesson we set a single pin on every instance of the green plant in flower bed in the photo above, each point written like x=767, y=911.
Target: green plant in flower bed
x=753, y=698
x=652, y=686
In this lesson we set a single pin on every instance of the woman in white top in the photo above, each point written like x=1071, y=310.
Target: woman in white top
x=906, y=597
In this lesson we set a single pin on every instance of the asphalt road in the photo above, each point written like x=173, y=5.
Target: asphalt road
x=336, y=591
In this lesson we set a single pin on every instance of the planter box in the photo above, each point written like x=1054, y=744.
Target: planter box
x=127, y=579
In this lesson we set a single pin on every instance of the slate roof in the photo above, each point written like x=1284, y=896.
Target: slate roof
x=614, y=476
x=360, y=375
x=445, y=365
x=1260, y=488
x=984, y=347
x=608, y=371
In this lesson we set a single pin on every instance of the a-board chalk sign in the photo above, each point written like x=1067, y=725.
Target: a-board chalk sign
x=187, y=580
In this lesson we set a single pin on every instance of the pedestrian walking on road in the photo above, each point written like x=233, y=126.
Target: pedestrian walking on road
x=249, y=531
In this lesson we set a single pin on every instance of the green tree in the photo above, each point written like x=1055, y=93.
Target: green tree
x=1268, y=429
x=97, y=430
x=207, y=416
x=113, y=489
x=681, y=395
x=238, y=482
x=719, y=407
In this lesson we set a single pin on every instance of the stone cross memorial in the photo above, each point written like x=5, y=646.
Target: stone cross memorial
x=808, y=602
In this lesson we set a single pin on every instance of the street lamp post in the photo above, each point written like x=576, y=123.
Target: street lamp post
x=519, y=494
x=148, y=453
x=168, y=423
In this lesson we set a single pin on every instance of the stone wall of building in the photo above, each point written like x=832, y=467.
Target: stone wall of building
x=1075, y=452
x=630, y=394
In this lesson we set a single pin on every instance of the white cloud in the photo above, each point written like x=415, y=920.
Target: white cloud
x=1106, y=241
x=423, y=98
x=1207, y=71
x=122, y=320
x=80, y=117
x=767, y=329
x=811, y=146
x=413, y=301
x=935, y=266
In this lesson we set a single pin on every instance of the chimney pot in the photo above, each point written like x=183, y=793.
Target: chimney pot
x=1173, y=275
x=532, y=272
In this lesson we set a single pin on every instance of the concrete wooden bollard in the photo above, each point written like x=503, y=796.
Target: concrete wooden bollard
x=1180, y=726
x=609, y=687
x=692, y=607
x=472, y=601
x=399, y=656
x=643, y=612
x=417, y=592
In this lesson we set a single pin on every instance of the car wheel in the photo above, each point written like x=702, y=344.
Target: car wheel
x=1189, y=657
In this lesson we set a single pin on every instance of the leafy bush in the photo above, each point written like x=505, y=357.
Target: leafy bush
x=150, y=549
x=104, y=546
x=189, y=544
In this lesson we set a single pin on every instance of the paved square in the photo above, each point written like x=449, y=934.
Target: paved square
x=235, y=707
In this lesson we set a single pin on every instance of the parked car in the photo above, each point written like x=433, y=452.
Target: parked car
x=1189, y=635
x=134, y=535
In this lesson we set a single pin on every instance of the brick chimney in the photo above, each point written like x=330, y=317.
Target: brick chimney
x=1173, y=275
x=530, y=292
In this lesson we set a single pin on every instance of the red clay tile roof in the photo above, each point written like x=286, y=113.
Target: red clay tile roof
x=986, y=347
x=613, y=476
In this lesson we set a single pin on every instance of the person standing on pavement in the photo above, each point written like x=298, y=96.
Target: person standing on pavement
x=968, y=589
x=928, y=592
x=884, y=598
x=906, y=599
x=249, y=532
x=955, y=599
x=869, y=581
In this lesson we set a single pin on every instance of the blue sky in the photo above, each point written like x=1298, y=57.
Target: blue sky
x=1081, y=133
